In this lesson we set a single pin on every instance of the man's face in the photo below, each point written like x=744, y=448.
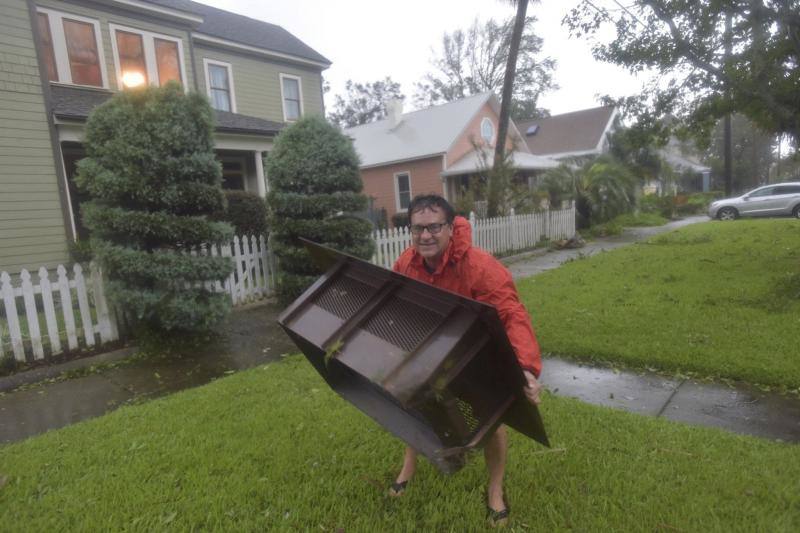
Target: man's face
x=430, y=246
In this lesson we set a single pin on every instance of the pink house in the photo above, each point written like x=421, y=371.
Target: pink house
x=432, y=150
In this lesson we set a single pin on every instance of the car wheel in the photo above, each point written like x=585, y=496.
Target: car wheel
x=796, y=211
x=728, y=213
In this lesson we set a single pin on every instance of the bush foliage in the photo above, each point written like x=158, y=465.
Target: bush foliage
x=315, y=181
x=153, y=179
x=246, y=212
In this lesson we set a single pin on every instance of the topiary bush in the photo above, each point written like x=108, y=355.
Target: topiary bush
x=153, y=180
x=313, y=170
x=246, y=212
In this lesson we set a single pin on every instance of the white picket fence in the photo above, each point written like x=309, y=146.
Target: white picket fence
x=85, y=326
x=45, y=317
x=496, y=235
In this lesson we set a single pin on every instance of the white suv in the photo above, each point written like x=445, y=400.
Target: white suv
x=770, y=200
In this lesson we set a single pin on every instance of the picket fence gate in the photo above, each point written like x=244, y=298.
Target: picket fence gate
x=496, y=235
x=45, y=317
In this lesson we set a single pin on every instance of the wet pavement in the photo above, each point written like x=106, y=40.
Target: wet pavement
x=251, y=337
x=530, y=264
x=740, y=408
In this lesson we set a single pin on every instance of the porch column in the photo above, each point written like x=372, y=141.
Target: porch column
x=261, y=183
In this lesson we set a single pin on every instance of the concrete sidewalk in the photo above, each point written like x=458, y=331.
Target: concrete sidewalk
x=251, y=337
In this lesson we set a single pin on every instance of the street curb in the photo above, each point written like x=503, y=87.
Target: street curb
x=9, y=383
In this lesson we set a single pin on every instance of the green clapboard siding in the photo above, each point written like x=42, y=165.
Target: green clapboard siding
x=32, y=232
x=256, y=83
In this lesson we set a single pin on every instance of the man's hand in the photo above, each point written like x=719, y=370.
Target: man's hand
x=533, y=388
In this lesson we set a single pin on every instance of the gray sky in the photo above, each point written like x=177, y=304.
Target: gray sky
x=368, y=40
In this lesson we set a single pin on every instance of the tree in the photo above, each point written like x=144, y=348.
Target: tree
x=315, y=181
x=153, y=179
x=603, y=188
x=473, y=61
x=505, y=100
x=752, y=153
x=364, y=102
x=685, y=42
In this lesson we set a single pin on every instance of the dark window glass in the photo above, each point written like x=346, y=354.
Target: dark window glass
x=404, y=190
x=291, y=98
x=84, y=59
x=233, y=174
x=47, y=47
x=220, y=87
x=169, y=66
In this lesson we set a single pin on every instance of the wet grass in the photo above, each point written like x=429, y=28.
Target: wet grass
x=714, y=299
x=273, y=449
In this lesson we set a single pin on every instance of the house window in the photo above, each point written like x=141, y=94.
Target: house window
x=402, y=186
x=233, y=173
x=291, y=92
x=130, y=51
x=71, y=48
x=143, y=57
x=47, y=47
x=487, y=130
x=168, y=60
x=219, y=81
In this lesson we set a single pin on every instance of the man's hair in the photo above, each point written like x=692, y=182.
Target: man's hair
x=431, y=201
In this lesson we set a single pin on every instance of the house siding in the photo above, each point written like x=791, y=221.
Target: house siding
x=104, y=17
x=32, y=230
x=379, y=181
x=463, y=144
x=256, y=82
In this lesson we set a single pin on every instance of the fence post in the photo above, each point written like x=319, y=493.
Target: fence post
x=49, y=311
x=514, y=230
x=83, y=305
x=104, y=318
x=32, y=315
x=11, y=314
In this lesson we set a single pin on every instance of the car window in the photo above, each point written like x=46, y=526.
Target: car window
x=787, y=189
x=762, y=192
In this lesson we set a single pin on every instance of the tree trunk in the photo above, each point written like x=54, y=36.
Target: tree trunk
x=505, y=106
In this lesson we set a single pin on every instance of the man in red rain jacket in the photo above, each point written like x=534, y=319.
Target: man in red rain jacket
x=442, y=254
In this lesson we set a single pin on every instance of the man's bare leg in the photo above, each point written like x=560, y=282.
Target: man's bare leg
x=495, y=453
x=407, y=472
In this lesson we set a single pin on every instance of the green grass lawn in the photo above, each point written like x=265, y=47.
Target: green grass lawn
x=617, y=225
x=716, y=299
x=274, y=449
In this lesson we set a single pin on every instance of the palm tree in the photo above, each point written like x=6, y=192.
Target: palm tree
x=505, y=103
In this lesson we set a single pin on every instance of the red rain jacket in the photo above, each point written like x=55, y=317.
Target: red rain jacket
x=474, y=273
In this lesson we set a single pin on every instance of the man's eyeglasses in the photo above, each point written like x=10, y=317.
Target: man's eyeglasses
x=433, y=229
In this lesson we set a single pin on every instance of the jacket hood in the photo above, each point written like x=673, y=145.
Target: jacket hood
x=462, y=238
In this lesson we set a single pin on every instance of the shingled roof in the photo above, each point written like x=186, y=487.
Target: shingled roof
x=245, y=30
x=575, y=133
x=72, y=103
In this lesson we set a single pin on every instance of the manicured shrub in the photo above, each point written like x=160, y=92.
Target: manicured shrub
x=400, y=219
x=153, y=180
x=313, y=171
x=246, y=212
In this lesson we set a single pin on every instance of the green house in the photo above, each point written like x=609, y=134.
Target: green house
x=61, y=58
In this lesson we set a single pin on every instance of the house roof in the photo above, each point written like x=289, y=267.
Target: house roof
x=427, y=132
x=575, y=133
x=72, y=103
x=474, y=162
x=245, y=30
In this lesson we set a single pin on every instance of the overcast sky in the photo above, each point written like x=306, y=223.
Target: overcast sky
x=368, y=40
